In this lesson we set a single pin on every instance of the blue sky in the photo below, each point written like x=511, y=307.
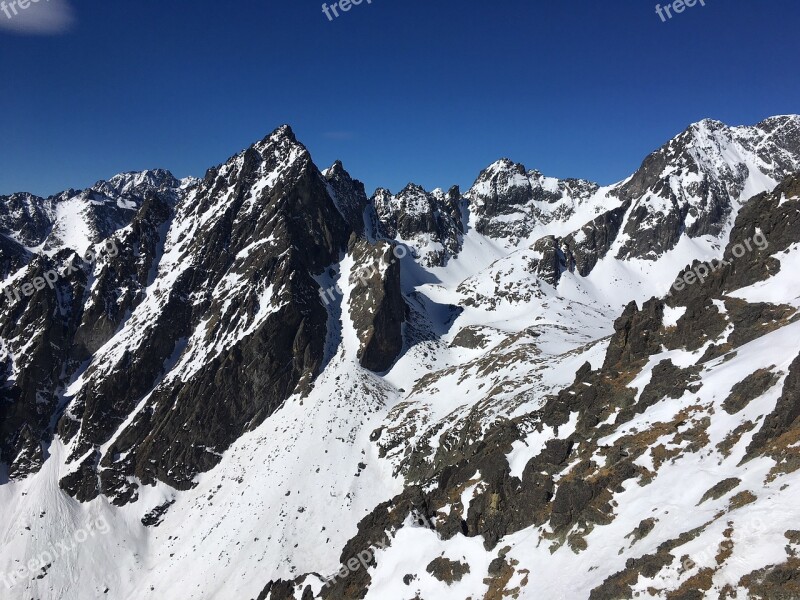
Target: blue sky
x=399, y=90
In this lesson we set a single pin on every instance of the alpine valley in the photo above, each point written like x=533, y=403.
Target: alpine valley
x=483, y=394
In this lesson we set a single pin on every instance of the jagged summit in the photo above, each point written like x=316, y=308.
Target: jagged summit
x=124, y=183
x=267, y=372
x=282, y=132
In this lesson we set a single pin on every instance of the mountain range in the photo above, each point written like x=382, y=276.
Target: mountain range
x=488, y=394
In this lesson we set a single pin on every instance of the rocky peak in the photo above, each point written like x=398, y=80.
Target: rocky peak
x=244, y=329
x=348, y=194
x=508, y=202
x=25, y=218
x=138, y=182
x=430, y=222
x=695, y=183
x=235, y=285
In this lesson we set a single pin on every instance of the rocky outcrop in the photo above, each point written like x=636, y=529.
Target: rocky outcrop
x=377, y=308
x=282, y=330
x=507, y=201
x=432, y=223
x=784, y=419
x=751, y=387
x=579, y=252
x=691, y=184
x=593, y=241
x=553, y=261
x=13, y=256
x=636, y=334
x=120, y=285
x=26, y=218
x=349, y=196
x=31, y=379
x=64, y=306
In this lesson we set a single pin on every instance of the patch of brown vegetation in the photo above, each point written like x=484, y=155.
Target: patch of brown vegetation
x=661, y=455
x=786, y=452
x=725, y=447
x=720, y=489
x=703, y=580
x=776, y=582
x=577, y=543
x=725, y=548
x=446, y=570
x=648, y=566
x=742, y=499
x=751, y=387
x=501, y=570
x=697, y=435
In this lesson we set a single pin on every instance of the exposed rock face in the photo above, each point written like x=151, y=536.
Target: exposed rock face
x=13, y=256
x=27, y=218
x=50, y=323
x=554, y=260
x=571, y=487
x=751, y=387
x=120, y=285
x=784, y=420
x=171, y=290
x=693, y=182
x=636, y=335
x=508, y=202
x=432, y=222
x=580, y=251
x=377, y=308
x=251, y=236
x=31, y=379
x=593, y=241
x=483, y=404
x=349, y=196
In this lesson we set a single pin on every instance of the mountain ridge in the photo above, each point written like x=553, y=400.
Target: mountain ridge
x=204, y=376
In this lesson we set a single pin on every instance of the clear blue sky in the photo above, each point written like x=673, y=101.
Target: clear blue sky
x=399, y=90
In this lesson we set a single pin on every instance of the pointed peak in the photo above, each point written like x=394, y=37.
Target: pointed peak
x=282, y=132
x=282, y=142
x=381, y=193
x=283, y=136
x=335, y=170
x=413, y=188
x=502, y=165
x=151, y=178
x=710, y=123
x=705, y=127
x=454, y=192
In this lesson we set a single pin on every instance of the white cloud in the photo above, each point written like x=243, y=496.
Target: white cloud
x=39, y=17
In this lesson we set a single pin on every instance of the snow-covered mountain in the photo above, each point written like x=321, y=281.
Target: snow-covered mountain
x=240, y=386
